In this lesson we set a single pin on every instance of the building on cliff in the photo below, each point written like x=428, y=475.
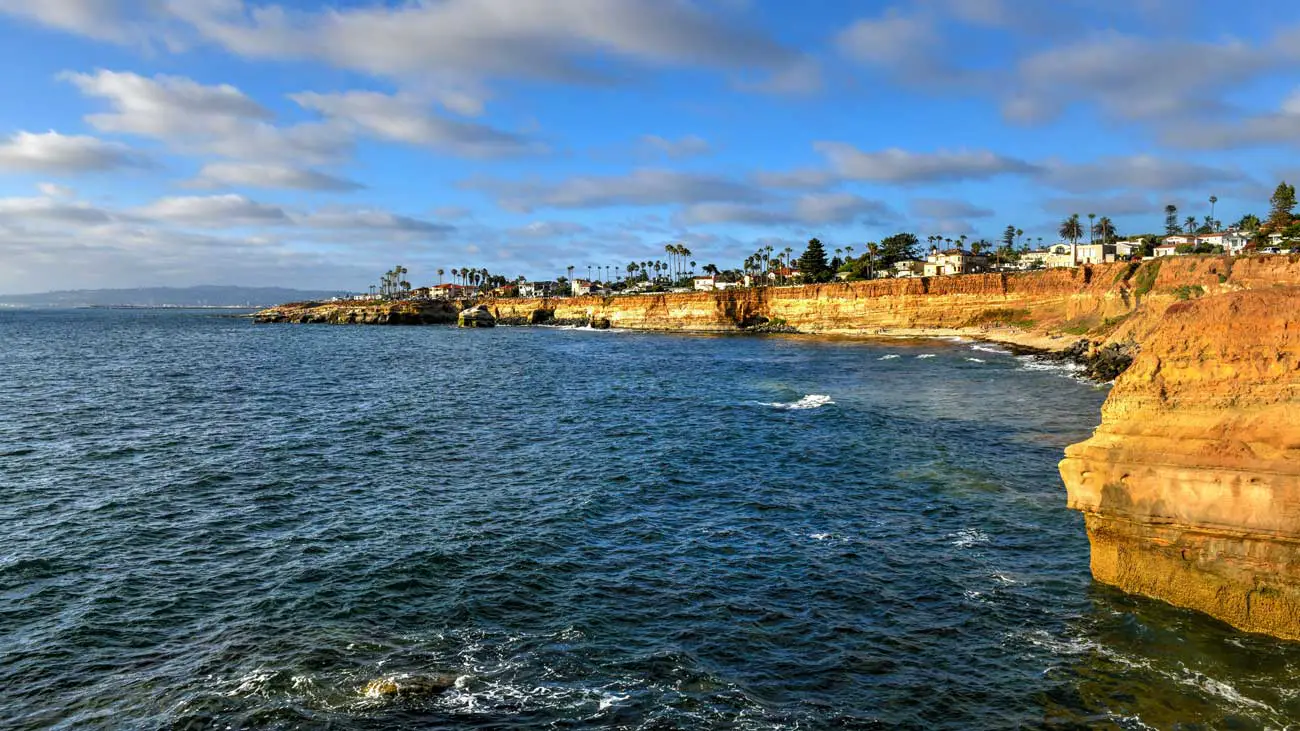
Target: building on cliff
x=539, y=289
x=953, y=261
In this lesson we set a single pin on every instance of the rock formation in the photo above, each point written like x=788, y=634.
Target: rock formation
x=476, y=316
x=1190, y=487
x=404, y=686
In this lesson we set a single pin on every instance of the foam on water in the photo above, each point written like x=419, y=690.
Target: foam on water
x=986, y=348
x=891, y=356
x=811, y=401
x=967, y=537
x=977, y=360
x=925, y=355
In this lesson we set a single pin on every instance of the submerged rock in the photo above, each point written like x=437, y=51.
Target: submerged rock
x=476, y=316
x=404, y=686
x=600, y=323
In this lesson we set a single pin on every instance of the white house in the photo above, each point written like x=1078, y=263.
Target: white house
x=705, y=284
x=1167, y=248
x=1056, y=255
x=538, y=289
x=579, y=287
x=953, y=261
x=909, y=268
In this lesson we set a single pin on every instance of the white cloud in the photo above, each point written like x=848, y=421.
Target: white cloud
x=54, y=190
x=217, y=211
x=1133, y=77
x=404, y=118
x=1135, y=172
x=895, y=165
x=476, y=38
x=813, y=209
x=255, y=175
x=100, y=19
x=688, y=146
x=373, y=220
x=52, y=152
x=46, y=210
x=196, y=118
x=645, y=187
x=1281, y=127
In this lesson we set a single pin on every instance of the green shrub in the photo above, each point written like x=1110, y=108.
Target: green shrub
x=1189, y=291
x=1002, y=316
x=1146, y=277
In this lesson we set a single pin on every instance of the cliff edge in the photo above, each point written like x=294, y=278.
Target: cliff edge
x=1190, y=488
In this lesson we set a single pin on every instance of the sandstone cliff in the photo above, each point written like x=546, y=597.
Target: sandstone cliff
x=361, y=312
x=1191, y=485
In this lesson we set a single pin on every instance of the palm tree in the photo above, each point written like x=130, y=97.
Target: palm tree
x=873, y=249
x=1072, y=229
x=1091, y=217
x=1019, y=232
x=1189, y=223
x=1213, y=199
x=1104, y=230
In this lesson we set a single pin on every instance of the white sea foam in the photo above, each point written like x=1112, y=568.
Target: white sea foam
x=811, y=401
x=1223, y=691
x=1005, y=579
x=926, y=355
x=977, y=360
x=967, y=537
x=891, y=356
x=819, y=536
x=986, y=348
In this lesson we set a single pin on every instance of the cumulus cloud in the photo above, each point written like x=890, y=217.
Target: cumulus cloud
x=1133, y=77
x=104, y=20
x=1281, y=127
x=813, y=209
x=688, y=146
x=54, y=190
x=48, y=210
x=52, y=152
x=373, y=220
x=406, y=119
x=257, y=175
x=908, y=45
x=645, y=187
x=197, y=118
x=542, y=39
x=902, y=166
x=1123, y=204
x=217, y=211
x=1135, y=172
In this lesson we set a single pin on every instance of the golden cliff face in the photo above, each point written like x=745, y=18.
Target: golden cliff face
x=1190, y=487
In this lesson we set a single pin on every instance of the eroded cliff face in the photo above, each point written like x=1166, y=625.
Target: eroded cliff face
x=1190, y=487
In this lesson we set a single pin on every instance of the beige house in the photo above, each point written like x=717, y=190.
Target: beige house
x=953, y=261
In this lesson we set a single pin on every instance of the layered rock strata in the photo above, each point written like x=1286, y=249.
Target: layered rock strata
x=1190, y=488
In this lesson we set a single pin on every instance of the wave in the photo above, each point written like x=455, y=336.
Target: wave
x=925, y=355
x=811, y=401
x=967, y=537
x=977, y=360
x=891, y=356
x=986, y=348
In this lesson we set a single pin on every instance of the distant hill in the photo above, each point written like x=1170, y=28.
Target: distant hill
x=201, y=296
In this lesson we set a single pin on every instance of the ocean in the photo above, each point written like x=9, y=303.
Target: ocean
x=211, y=524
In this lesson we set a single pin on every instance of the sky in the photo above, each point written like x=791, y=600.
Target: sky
x=318, y=144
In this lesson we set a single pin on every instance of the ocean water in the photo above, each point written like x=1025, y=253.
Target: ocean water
x=208, y=524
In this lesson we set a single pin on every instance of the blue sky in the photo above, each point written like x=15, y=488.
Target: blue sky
x=312, y=144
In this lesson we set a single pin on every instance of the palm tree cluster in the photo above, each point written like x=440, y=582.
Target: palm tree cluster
x=647, y=271
x=477, y=278
x=762, y=262
x=937, y=239
x=393, y=282
x=678, y=257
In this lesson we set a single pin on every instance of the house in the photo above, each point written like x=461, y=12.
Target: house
x=1167, y=248
x=450, y=291
x=953, y=261
x=1101, y=253
x=725, y=285
x=1056, y=255
x=909, y=268
x=706, y=284
x=538, y=289
x=1179, y=240
x=1235, y=242
x=579, y=287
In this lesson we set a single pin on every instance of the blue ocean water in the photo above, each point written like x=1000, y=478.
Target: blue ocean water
x=209, y=524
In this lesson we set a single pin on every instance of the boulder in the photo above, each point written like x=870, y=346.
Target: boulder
x=405, y=686
x=476, y=316
x=599, y=323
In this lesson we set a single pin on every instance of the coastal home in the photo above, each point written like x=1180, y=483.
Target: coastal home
x=953, y=261
x=705, y=284
x=422, y=293
x=1101, y=253
x=579, y=287
x=450, y=291
x=725, y=285
x=909, y=268
x=1167, y=248
x=1056, y=255
x=538, y=289
x=1179, y=240
x=1235, y=242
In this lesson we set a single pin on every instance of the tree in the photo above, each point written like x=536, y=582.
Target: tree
x=1189, y=224
x=1248, y=222
x=440, y=273
x=1171, y=220
x=1009, y=236
x=1091, y=226
x=1071, y=229
x=812, y=264
x=896, y=248
x=1280, y=206
x=1213, y=199
x=1104, y=230
x=1019, y=232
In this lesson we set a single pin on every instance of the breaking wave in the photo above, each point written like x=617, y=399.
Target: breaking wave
x=811, y=401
